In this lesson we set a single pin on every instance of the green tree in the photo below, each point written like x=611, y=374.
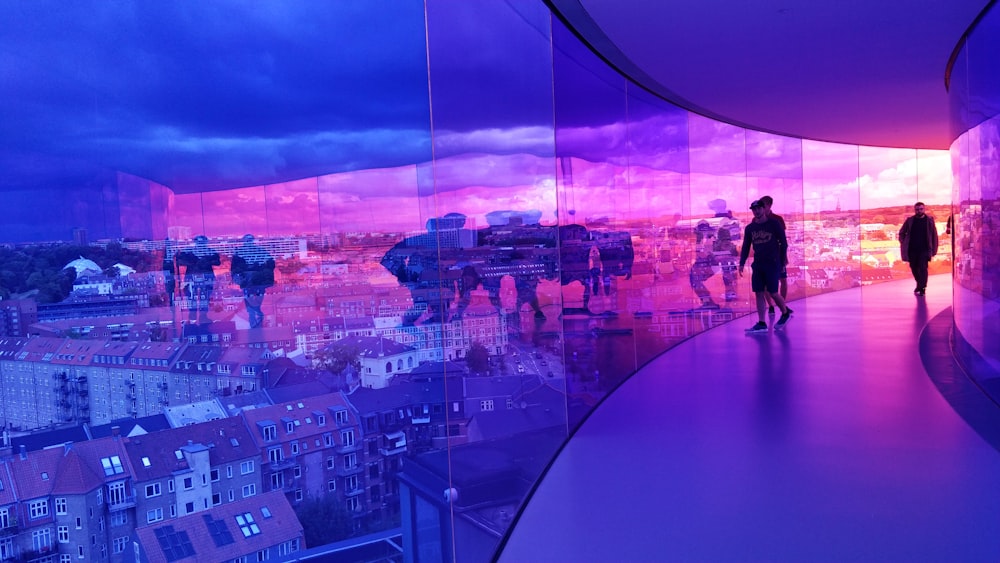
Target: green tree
x=323, y=520
x=478, y=359
x=337, y=357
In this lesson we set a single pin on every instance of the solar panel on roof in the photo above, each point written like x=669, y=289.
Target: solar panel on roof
x=175, y=545
x=219, y=531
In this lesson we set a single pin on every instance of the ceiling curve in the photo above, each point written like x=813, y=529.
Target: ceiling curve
x=867, y=72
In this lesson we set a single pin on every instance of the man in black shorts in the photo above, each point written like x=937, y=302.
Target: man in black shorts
x=770, y=254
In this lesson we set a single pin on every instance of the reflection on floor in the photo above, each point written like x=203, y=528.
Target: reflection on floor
x=827, y=441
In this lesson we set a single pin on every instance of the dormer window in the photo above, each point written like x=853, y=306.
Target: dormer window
x=268, y=430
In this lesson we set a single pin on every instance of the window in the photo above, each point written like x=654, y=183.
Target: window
x=298, y=495
x=262, y=555
x=231, y=495
x=62, y=534
x=341, y=416
x=246, y=467
x=189, y=508
x=247, y=524
x=188, y=483
x=289, y=426
x=154, y=515
x=170, y=486
x=295, y=448
x=119, y=518
x=215, y=475
x=330, y=463
x=288, y=547
x=249, y=490
x=61, y=505
x=274, y=455
x=116, y=493
x=277, y=481
x=331, y=486
x=41, y=540
x=352, y=483
x=216, y=499
x=6, y=549
x=486, y=405
x=38, y=509
x=347, y=437
x=4, y=517
x=65, y=558
x=328, y=440
x=297, y=471
x=269, y=432
x=350, y=461
x=119, y=543
x=112, y=465
x=321, y=419
x=153, y=490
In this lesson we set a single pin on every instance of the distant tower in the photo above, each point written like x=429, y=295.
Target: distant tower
x=80, y=236
x=838, y=204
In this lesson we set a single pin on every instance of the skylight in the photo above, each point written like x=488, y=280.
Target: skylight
x=247, y=524
x=112, y=465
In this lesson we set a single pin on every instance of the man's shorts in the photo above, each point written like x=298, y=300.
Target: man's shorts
x=765, y=276
x=784, y=273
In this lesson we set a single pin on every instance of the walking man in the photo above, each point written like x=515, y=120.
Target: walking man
x=768, y=201
x=918, y=243
x=770, y=253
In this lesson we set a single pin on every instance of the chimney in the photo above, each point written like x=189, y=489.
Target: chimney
x=116, y=431
x=24, y=451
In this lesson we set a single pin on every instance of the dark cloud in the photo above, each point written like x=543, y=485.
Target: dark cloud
x=201, y=95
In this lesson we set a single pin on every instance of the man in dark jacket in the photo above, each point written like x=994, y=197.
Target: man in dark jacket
x=918, y=243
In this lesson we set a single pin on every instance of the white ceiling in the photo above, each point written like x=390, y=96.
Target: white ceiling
x=868, y=72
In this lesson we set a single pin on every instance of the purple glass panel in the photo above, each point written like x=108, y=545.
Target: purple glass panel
x=233, y=213
x=831, y=206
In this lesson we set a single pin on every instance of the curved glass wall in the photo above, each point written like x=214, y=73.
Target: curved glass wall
x=478, y=230
x=975, y=99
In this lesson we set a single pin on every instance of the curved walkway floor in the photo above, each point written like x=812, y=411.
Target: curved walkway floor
x=825, y=442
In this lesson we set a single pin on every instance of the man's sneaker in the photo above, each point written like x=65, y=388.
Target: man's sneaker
x=770, y=310
x=783, y=319
x=789, y=310
x=922, y=291
x=759, y=327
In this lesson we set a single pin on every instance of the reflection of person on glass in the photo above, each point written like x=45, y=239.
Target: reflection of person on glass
x=199, y=275
x=918, y=243
x=169, y=268
x=704, y=263
x=253, y=270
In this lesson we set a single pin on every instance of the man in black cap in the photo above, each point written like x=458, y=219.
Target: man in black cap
x=770, y=254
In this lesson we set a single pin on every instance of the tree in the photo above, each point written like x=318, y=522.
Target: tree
x=478, y=358
x=337, y=357
x=324, y=521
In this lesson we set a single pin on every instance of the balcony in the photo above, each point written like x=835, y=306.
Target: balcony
x=347, y=448
x=122, y=504
x=283, y=463
x=353, y=492
x=348, y=471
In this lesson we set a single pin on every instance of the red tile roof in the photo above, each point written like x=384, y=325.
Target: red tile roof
x=193, y=534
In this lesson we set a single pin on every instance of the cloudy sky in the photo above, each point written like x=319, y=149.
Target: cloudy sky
x=277, y=117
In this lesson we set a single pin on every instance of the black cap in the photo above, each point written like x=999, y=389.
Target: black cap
x=756, y=203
